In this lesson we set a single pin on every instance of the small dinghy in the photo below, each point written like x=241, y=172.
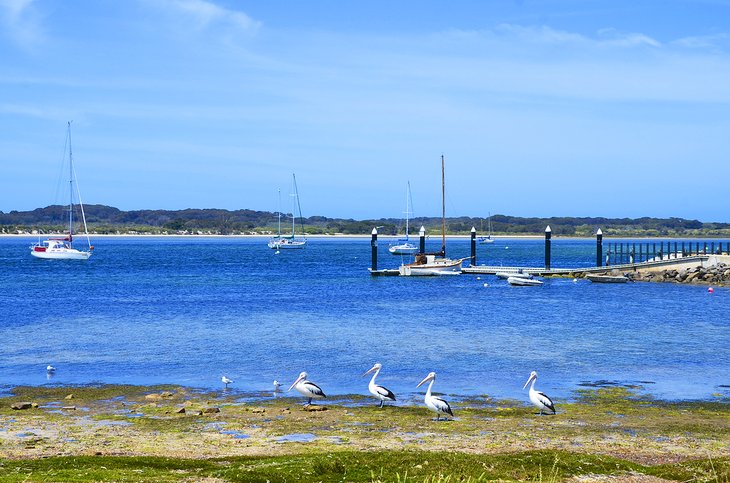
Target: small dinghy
x=608, y=278
x=523, y=282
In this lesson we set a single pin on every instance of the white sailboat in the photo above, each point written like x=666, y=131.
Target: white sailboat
x=435, y=263
x=61, y=248
x=404, y=245
x=488, y=238
x=290, y=242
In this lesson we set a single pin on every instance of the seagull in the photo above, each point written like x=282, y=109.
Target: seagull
x=539, y=399
x=226, y=381
x=380, y=392
x=435, y=404
x=277, y=385
x=50, y=369
x=307, y=388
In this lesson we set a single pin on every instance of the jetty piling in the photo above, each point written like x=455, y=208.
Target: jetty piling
x=374, y=250
x=422, y=240
x=548, y=235
x=473, y=246
x=599, y=247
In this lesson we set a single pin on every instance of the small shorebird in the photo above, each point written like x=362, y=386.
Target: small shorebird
x=226, y=381
x=277, y=385
x=50, y=369
x=307, y=388
x=380, y=392
x=539, y=399
x=435, y=404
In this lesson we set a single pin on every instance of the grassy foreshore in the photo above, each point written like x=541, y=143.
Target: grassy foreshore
x=133, y=433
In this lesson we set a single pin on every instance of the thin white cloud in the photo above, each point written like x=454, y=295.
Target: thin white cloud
x=539, y=35
x=706, y=42
x=613, y=37
x=205, y=14
x=20, y=22
x=544, y=35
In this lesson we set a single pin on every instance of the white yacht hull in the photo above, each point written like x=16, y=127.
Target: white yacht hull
x=404, y=249
x=433, y=266
x=286, y=244
x=61, y=254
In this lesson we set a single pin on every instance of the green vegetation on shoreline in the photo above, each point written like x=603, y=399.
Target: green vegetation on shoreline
x=402, y=466
x=172, y=433
x=109, y=220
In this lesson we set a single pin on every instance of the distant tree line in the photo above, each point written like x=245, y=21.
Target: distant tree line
x=103, y=219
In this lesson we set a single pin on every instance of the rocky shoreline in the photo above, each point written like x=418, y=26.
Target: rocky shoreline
x=716, y=275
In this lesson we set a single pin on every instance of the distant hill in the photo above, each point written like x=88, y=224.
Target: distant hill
x=103, y=219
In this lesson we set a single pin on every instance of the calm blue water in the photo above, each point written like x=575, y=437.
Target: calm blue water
x=187, y=310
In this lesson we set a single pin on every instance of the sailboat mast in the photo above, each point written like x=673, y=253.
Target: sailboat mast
x=443, y=208
x=279, y=190
x=299, y=206
x=408, y=195
x=293, y=205
x=70, y=187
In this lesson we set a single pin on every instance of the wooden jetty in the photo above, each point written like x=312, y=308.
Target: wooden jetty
x=620, y=257
x=654, y=265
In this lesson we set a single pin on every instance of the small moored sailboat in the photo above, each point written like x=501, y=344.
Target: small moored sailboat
x=404, y=245
x=435, y=263
x=288, y=242
x=61, y=248
x=488, y=238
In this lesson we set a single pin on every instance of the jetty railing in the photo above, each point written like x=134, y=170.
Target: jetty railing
x=621, y=253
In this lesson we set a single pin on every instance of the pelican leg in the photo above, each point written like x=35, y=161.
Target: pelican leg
x=381, y=403
x=309, y=402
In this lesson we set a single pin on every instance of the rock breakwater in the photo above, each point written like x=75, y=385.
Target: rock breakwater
x=715, y=275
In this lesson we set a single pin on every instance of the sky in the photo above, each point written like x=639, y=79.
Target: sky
x=612, y=108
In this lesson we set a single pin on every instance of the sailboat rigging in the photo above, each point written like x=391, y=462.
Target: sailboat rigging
x=61, y=248
x=288, y=242
x=404, y=246
x=435, y=263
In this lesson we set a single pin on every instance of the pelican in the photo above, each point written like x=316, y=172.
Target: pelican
x=435, y=404
x=226, y=381
x=380, y=392
x=307, y=388
x=539, y=399
x=50, y=369
x=277, y=385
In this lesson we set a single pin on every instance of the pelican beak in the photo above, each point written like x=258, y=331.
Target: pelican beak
x=529, y=380
x=368, y=372
x=426, y=379
x=294, y=383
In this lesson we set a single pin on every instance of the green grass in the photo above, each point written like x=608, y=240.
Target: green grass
x=401, y=466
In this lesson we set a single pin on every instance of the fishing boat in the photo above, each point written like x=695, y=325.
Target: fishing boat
x=605, y=278
x=524, y=282
x=61, y=248
x=404, y=245
x=488, y=238
x=426, y=264
x=290, y=242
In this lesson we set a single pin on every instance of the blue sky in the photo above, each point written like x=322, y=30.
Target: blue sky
x=541, y=108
